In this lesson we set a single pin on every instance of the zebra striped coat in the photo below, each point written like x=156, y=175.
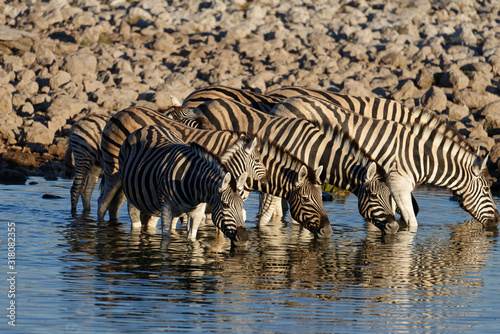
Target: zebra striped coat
x=160, y=173
x=346, y=165
x=301, y=187
x=375, y=107
x=85, y=149
x=411, y=154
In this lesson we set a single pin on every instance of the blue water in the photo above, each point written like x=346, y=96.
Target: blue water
x=75, y=275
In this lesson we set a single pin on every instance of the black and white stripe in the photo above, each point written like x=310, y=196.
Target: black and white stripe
x=410, y=153
x=375, y=107
x=162, y=174
x=346, y=165
x=301, y=181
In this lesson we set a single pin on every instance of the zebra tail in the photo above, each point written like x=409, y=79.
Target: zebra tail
x=69, y=162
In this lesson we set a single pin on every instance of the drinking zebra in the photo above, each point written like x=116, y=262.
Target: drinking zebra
x=163, y=175
x=410, y=153
x=346, y=164
x=301, y=187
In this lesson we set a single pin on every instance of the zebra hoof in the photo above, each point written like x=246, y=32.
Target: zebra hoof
x=240, y=237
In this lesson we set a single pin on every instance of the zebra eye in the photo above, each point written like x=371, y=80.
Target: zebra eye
x=305, y=199
x=225, y=205
x=373, y=195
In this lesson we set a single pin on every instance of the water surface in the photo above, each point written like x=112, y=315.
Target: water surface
x=75, y=275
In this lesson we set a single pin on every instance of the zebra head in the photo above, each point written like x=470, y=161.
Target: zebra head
x=476, y=197
x=243, y=156
x=227, y=209
x=375, y=201
x=187, y=116
x=306, y=203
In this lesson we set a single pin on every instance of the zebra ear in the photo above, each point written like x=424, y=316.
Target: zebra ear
x=240, y=183
x=478, y=170
x=251, y=145
x=372, y=171
x=301, y=177
x=318, y=172
x=175, y=101
x=225, y=182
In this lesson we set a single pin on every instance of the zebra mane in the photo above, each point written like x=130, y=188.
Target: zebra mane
x=349, y=145
x=290, y=159
x=211, y=159
x=429, y=119
x=230, y=151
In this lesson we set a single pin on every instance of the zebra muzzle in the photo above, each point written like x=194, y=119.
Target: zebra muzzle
x=240, y=237
x=493, y=222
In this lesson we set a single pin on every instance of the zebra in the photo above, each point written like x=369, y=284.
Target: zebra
x=346, y=164
x=163, y=175
x=410, y=153
x=85, y=149
x=374, y=107
x=301, y=187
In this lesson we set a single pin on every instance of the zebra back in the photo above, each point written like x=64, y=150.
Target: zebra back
x=255, y=100
x=379, y=108
x=160, y=170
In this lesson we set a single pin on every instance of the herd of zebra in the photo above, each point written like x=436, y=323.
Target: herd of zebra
x=221, y=143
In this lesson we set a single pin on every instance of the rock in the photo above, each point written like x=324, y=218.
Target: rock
x=80, y=63
x=19, y=158
x=5, y=101
x=474, y=99
x=491, y=114
x=457, y=112
x=425, y=79
x=434, y=99
x=10, y=176
x=455, y=79
x=38, y=134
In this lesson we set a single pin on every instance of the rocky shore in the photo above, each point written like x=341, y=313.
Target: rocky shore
x=63, y=59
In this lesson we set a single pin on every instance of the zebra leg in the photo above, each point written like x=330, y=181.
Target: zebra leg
x=111, y=185
x=152, y=222
x=90, y=183
x=194, y=220
x=135, y=216
x=79, y=182
x=166, y=219
x=267, y=207
x=116, y=203
x=401, y=191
